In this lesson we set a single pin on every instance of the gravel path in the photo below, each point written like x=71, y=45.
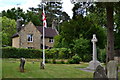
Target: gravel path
x=86, y=69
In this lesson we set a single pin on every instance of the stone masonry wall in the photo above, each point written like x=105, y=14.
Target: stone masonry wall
x=30, y=29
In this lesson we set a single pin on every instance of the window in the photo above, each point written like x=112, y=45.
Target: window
x=51, y=40
x=30, y=38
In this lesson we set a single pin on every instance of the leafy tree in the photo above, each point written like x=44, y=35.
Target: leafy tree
x=117, y=27
x=15, y=14
x=81, y=26
x=36, y=18
x=81, y=46
x=107, y=8
x=8, y=29
x=54, y=11
x=58, y=39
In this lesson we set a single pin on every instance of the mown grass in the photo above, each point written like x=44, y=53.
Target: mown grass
x=0, y=68
x=11, y=70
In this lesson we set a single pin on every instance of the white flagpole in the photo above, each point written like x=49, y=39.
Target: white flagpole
x=43, y=41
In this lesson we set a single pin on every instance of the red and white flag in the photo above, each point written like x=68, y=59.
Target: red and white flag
x=44, y=19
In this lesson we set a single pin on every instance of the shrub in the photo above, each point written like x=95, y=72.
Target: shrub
x=81, y=46
x=102, y=55
x=75, y=60
x=62, y=62
x=10, y=52
x=46, y=61
x=70, y=61
x=87, y=57
x=54, y=61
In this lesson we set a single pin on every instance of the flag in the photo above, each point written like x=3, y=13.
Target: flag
x=44, y=19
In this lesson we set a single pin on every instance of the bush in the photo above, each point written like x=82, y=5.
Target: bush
x=10, y=52
x=62, y=62
x=87, y=57
x=70, y=61
x=102, y=55
x=54, y=61
x=75, y=60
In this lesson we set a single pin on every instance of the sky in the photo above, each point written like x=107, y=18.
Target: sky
x=25, y=4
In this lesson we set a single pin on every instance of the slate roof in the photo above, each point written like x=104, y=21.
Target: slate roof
x=15, y=35
x=49, y=32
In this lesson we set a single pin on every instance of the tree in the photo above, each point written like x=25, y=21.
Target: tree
x=58, y=40
x=81, y=27
x=8, y=29
x=81, y=47
x=15, y=14
x=35, y=17
x=54, y=11
x=108, y=8
x=117, y=27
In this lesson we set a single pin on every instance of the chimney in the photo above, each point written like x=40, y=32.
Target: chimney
x=19, y=25
x=54, y=24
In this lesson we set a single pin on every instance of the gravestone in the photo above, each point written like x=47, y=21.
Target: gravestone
x=112, y=70
x=94, y=63
x=22, y=64
x=42, y=66
x=100, y=73
x=117, y=55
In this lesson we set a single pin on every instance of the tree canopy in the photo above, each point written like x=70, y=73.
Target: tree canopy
x=8, y=29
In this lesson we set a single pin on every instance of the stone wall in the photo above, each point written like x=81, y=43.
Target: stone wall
x=30, y=29
x=15, y=42
x=47, y=43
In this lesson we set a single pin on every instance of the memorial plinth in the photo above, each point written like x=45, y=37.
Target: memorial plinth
x=94, y=63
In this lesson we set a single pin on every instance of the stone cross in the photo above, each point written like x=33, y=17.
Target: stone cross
x=94, y=40
x=94, y=63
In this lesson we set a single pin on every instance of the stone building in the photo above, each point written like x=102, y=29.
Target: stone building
x=30, y=36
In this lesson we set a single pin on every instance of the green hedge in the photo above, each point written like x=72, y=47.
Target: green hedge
x=58, y=53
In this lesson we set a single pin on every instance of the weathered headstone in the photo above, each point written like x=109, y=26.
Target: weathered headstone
x=42, y=66
x=112, y=70
x=117, y=55
x=100, y=73
x=22, y=64
x=94, y=63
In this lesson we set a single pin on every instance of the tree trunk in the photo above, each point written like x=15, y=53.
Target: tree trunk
x=110, y=34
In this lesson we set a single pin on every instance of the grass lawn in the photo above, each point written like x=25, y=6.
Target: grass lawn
x=11, y=70
x=0, y=68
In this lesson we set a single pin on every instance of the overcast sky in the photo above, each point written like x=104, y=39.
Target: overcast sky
x=25, y=4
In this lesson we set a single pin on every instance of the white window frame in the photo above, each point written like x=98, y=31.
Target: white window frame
x=51, y=40
x=31, y=37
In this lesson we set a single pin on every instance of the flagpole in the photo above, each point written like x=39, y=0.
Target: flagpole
x=43, y=41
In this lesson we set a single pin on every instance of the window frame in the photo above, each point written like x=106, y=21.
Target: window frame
x=51, y=40
x=31, y=38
